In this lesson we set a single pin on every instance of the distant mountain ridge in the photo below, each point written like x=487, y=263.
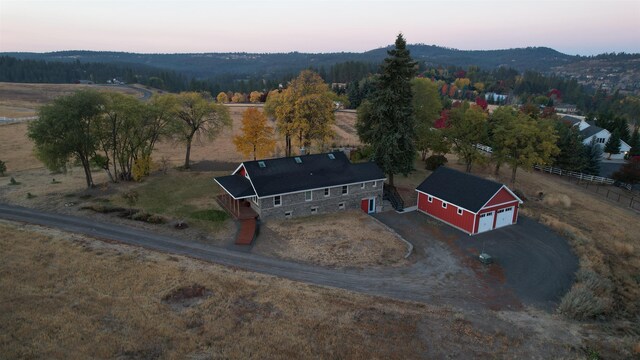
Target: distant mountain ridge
x=204, y=65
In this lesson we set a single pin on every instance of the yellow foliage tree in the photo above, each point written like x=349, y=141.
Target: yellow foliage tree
x=462, y=82
x=237, y=98
x=256, y=136
x=255, y=96
x=222, y=98
x=304, y=111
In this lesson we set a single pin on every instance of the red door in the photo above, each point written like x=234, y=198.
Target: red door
x=364, y=205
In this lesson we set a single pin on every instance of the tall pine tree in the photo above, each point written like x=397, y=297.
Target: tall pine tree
x=613, y=144
x=389, y=124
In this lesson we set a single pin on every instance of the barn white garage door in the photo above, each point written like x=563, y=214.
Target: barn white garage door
x=486, y=222
x=505, y=217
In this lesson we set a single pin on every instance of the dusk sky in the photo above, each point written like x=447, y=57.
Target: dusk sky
x=168, y=26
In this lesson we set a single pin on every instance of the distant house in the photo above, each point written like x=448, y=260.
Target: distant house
x=496, y=98
x=590, y=131
x=301, y=186
x=467, y=202
x=566, y=108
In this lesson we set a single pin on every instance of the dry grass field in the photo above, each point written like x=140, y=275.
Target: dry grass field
x=22, y=100
x=65, y=295
x=329, y=240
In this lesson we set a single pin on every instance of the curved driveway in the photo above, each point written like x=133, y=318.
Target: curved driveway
x=407, y=283
x=438, y=275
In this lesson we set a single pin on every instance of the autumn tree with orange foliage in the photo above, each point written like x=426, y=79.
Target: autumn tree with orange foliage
x=255, y=96
x=256, y=137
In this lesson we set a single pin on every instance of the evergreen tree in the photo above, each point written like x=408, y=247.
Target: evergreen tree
x=634, y=142
x=613, y=144
x=389, y=126
x=593, y=155
x=571, y=156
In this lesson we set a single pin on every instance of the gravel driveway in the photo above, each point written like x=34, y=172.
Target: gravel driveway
x=532, y=263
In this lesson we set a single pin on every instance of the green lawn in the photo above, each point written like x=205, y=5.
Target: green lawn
x=180, y=195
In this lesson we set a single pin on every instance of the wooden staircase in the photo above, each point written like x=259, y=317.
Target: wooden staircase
x=248, y=231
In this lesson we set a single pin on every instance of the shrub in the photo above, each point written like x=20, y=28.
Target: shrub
x=435, y=161
x=30, y=195
x=588, y=298
x=3, y=168
x=13, y=181
x=557, y=199
x=362, y=154
x=141, y=168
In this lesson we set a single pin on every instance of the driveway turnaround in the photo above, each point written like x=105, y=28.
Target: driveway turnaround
x=530, y=261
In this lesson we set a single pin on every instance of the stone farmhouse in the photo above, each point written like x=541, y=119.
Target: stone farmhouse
x=289, y=187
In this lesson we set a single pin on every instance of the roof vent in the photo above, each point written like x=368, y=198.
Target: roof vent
x=262, y=164
x=298, y=160
x=331, y=156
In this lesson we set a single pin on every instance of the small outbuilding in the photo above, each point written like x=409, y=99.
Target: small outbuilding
x=467, y=202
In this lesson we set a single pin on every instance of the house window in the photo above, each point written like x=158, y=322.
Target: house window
x=362, y=186
x=430, y=199
x=326, y=192
x=601, y=140
x=288, y=214
x=341, y=206
x=444, y=205
x=459, y=211
x=308, y=196
x=262, y=164
x=345, y=190
x=314, y=210
x=277, y=201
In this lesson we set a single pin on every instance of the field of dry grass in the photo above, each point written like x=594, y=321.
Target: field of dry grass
x=329, y=240
x=64, y=294
x=22, y=100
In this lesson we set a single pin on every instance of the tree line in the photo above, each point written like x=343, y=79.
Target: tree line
x=118, y=132
x=401, y=114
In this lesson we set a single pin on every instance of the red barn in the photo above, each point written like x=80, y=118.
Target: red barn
x=467, y=202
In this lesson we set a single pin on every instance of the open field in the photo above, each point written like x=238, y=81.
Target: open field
x=63, y=293
x=22, y=100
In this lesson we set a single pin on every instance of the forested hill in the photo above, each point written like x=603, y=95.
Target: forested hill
x=205, y=65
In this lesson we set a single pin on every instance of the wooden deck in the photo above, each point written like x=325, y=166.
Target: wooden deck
x=239, y=209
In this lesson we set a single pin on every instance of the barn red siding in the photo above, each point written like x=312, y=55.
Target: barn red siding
x=501, y=197
x=242, y=171
x=448, y=215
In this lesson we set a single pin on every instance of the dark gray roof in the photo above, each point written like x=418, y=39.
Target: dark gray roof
x=590, y=131
x=571, y=119
x=465, y=190
x=237, y=185
x=286, y=175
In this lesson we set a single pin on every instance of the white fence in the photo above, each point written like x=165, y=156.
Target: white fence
x=577, y=175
